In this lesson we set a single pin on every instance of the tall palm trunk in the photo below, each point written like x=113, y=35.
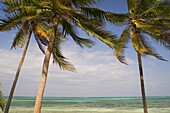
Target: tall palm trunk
x=17, y=75
x=43, y=80
x=142, y=83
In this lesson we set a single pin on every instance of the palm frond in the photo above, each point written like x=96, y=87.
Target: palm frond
x=163, y=39
x=157, y=9
x=60, y=37
x=13, y=20
x=41, y=34
x=152, y=25
x=159, y=33
x=121, y=45
x=60, y=59
x=40, y=45
x=69, y=29
x=21, y=36
x=162, y=20
x=46, y=27
x=85, y=19
x=12, y=6
x=133, y=5
x=82, y=3
x=97, y=31
x=137, y=44
x=117, y=19
x=150, y=50
x=77, y=3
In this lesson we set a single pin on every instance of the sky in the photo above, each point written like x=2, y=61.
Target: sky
x=99, y=73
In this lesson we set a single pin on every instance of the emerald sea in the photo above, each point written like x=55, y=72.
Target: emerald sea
x=91, y=105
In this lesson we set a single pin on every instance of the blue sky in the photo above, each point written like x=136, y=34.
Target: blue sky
x=99, y=73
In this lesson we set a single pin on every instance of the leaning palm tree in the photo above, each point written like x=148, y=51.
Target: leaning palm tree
x=146, y=20
x=64, y=16
x=24, y=23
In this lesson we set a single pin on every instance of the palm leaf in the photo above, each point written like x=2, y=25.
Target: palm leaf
x=60, y=59
x=41, y=34
x=133, y=5
x=142, y=24
x=150, y=50
x=40, y=45
x=137, y=44
x=117, y=19
x=97, y=31
x=13, y=20
x=20, y=37
x=82, y=3
x=121, y=45
x=158, y=33
x=162, y=38
x=158, y=9
x=162, y=20
x=60, y=37
x=12, y=6
x=68, y=29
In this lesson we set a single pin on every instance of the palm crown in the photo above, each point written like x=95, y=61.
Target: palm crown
x=39, y=16
x=145, y=19
x=25, y=22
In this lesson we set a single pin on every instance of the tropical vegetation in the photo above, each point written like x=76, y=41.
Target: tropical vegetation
x=2, y=101
x=55, y=21
x=147, y=21
x=65, y=17
x=24, y=22
x=60, y=20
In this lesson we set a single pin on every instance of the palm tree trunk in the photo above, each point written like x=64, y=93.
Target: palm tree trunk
x=38, y=103
x=17, y=75
x=142, y=83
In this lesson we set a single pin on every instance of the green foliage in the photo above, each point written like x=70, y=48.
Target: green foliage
x=95, y=29
x=20, y=16
x=122, y=44
x=59, y=58
x=39, y=17
x=117, y=19
x=2, y=101
x=68, y=29
x=20, y=37
x=146, y=19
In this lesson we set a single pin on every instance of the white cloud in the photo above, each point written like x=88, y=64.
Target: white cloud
x=98, y=73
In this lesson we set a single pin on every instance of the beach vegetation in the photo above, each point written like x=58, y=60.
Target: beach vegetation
x=61, y=19
x=147, y=22
x=2, y=101
x=25, y=22
x=65, y=17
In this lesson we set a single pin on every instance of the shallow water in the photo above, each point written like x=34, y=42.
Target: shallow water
x=92, y=105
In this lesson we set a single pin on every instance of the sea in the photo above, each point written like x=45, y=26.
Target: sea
x=91, y=105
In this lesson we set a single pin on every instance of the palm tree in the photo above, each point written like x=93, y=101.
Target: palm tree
x=25, y=29
x=64, y=16
x=16, y=76
x=145, y=21
x=2, y=101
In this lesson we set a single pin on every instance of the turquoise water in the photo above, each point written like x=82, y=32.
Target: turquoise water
x=92, y=105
